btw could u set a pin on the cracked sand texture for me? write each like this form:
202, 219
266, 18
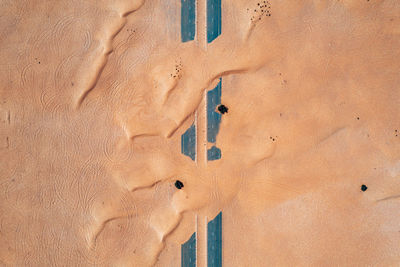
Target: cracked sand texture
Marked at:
95, 96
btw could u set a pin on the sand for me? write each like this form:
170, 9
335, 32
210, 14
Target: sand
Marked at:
95, 98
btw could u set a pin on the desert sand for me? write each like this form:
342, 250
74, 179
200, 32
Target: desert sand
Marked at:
96, 98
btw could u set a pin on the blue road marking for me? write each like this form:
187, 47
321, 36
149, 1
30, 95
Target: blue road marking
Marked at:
213, 19
188, 142
188, 252
213, 117
213, 153
214, 242
188, 20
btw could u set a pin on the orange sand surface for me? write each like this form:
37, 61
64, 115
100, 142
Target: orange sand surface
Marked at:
95, 96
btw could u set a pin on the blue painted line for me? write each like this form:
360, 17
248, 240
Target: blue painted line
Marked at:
213, 19
188, 252
214, 242
213, 118
213, 153
188, 20
188, 142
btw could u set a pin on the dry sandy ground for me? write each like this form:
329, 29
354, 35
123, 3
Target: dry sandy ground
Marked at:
91, 121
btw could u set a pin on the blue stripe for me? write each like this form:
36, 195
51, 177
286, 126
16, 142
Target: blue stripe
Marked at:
188, 252
213, 19
188, 20
213, 153
213, 118
188, 142
214, 242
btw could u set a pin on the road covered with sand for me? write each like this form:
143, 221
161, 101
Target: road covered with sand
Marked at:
123, 133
